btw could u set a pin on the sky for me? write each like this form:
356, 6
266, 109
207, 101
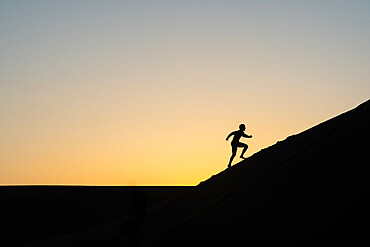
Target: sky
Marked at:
145, 92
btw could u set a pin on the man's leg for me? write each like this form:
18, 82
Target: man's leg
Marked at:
233, 149
245, 147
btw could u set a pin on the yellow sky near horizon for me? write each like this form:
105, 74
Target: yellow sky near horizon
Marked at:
145, 94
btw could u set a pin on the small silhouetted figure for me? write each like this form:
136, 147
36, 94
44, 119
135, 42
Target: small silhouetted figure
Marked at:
136, 217
235, 142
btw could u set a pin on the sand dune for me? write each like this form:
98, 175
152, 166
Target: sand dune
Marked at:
63, 215
307, 190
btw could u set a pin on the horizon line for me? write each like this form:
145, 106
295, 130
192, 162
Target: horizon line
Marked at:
100, 185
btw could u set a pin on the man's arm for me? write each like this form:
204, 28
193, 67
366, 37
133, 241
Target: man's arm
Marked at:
231, 134
247, 136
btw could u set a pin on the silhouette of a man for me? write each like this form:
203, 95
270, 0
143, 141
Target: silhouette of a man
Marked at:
235, 144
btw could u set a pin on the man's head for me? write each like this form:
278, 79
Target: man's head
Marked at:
242, 127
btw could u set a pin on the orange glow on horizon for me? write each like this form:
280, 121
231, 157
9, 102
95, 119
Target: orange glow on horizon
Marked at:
145, 94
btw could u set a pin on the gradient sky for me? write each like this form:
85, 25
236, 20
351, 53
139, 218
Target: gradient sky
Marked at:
145, 92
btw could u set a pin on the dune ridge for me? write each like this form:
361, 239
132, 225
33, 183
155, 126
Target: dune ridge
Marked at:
309, 188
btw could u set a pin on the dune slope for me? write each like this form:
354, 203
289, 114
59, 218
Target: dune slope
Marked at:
309, 189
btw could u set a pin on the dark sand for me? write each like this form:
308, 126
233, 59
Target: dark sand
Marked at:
32, 214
